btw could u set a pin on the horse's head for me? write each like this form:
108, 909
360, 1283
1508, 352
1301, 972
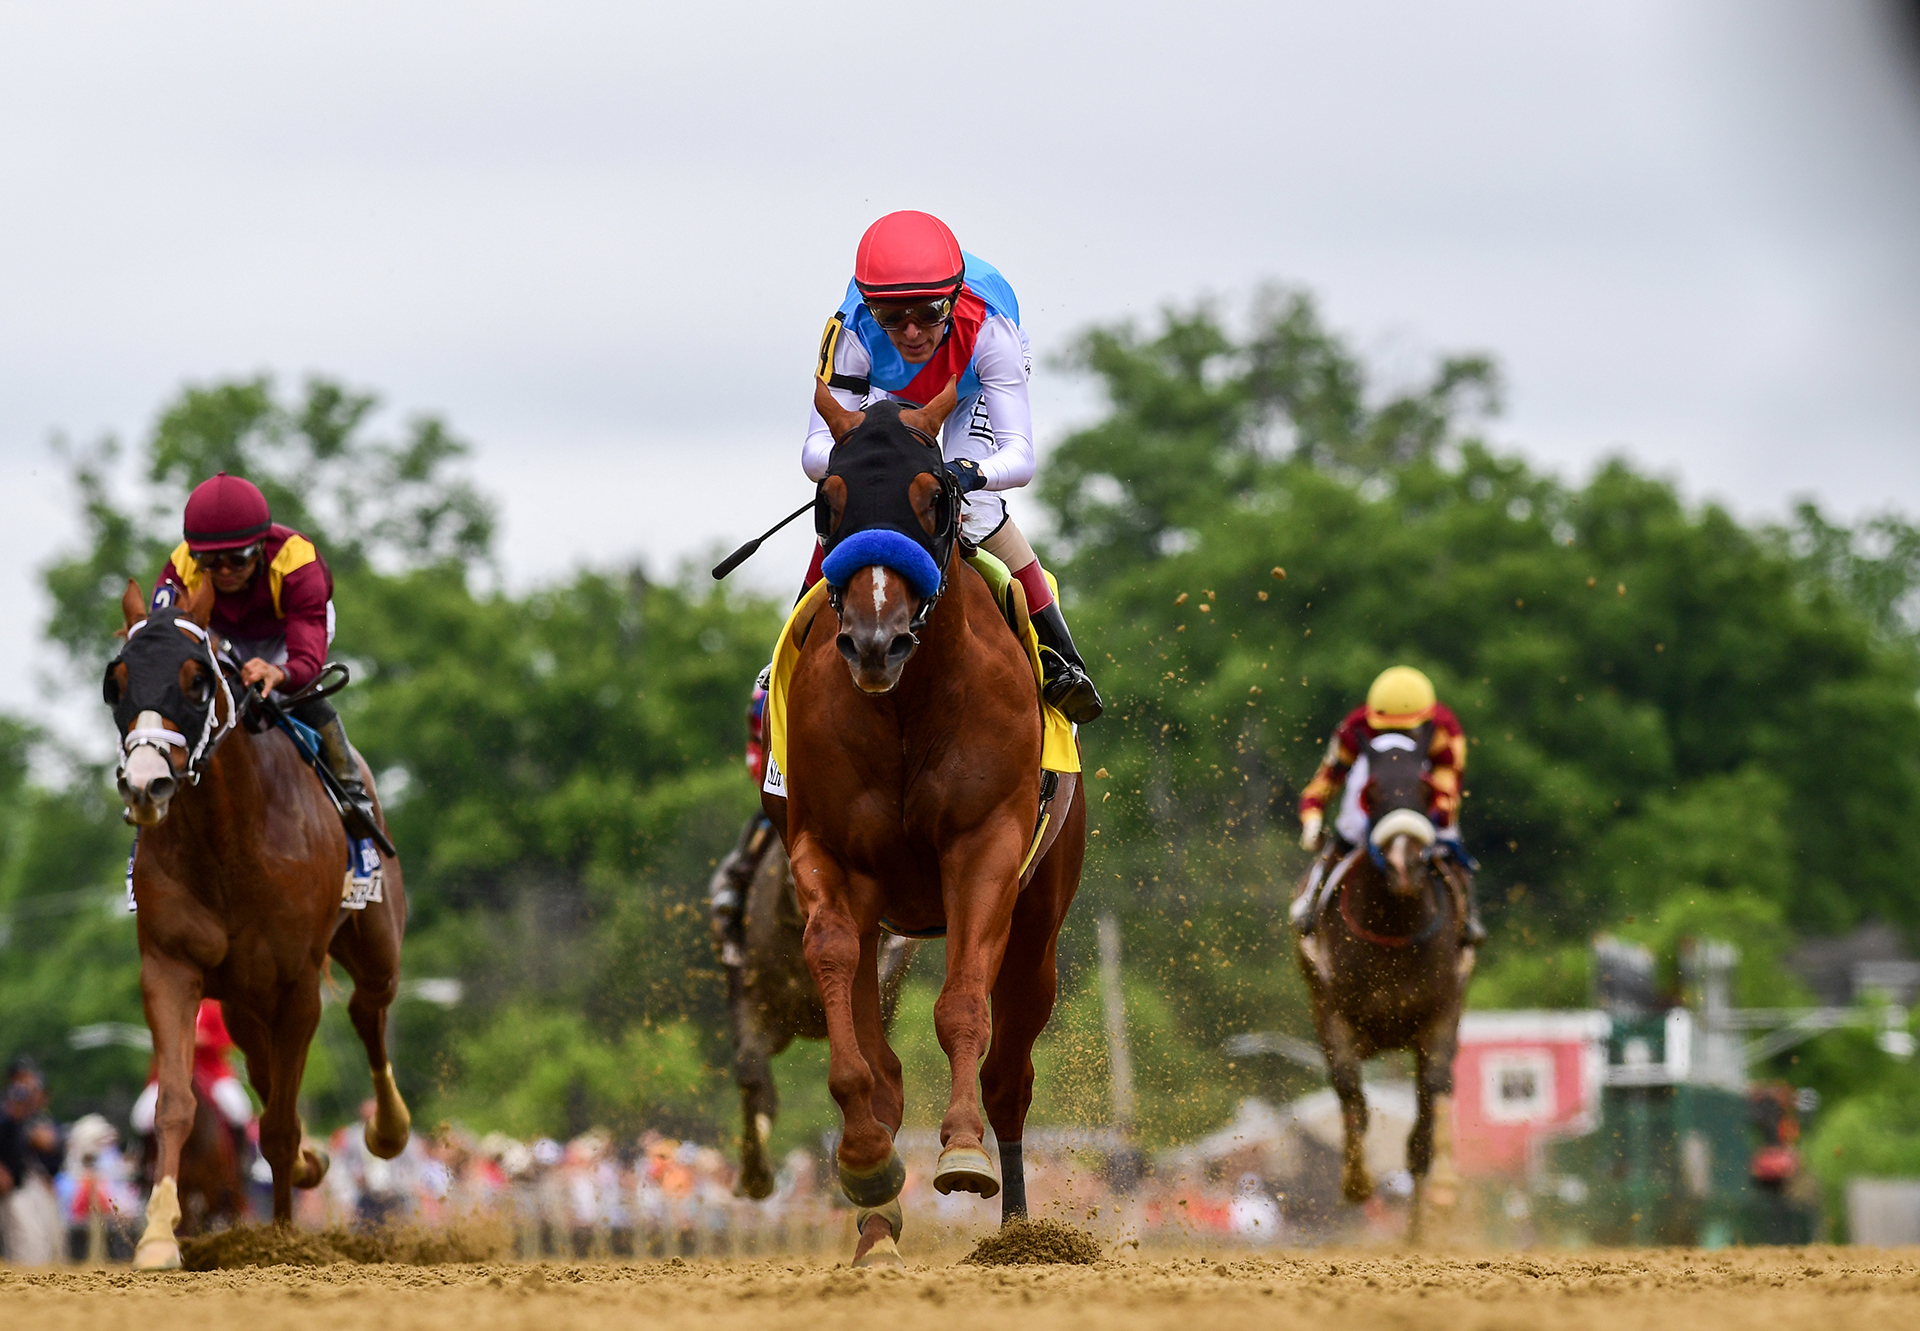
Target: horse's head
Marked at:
889, 514
1396, 802
167, 697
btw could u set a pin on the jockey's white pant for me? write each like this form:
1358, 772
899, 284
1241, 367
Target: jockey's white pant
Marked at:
1351, 821
229, 1096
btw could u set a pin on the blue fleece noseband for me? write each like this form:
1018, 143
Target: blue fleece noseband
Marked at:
887, 548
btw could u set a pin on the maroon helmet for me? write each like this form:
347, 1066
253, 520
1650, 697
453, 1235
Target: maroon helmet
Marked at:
226, 513
907, 257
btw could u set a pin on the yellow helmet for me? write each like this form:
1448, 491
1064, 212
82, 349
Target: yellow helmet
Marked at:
1400, 699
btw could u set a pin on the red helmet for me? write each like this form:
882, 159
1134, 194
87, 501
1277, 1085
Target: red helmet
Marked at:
907, 257
226, 512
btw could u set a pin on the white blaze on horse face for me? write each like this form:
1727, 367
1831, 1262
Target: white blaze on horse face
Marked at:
879, 589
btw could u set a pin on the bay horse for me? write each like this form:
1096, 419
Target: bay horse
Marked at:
772, 1000
237, 880
913, 790
210, 1182
1386, 969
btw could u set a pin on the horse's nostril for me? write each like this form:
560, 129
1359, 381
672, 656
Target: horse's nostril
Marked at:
901, 647
160, 789
845, 643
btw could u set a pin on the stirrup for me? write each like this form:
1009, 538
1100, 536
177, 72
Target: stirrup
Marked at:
357, 816
1068, 688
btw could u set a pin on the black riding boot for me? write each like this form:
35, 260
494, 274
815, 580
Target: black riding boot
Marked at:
1068, 686
337, 754
727, 891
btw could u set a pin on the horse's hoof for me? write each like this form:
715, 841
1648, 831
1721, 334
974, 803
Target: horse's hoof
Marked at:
387, 1135
891, 1213
966, 1169
755, 1183
311, 1167
156, 1255
386, 1145
876, 1186
1356, 1185
877, 1248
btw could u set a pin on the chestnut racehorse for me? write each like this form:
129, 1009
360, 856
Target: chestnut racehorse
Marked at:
238, 880
1386, 969
913, 749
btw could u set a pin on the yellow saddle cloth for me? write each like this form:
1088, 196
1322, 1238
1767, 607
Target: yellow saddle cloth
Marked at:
1059, 750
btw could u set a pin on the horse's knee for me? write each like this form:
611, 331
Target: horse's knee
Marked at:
961, 1018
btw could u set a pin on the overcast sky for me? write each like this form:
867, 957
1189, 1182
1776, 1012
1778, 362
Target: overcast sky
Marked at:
602, 239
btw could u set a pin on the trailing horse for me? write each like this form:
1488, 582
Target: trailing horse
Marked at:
771, 1000
239, 878
915, 802
1386, 969
210, 1182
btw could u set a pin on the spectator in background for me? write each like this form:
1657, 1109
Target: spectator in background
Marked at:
30, 1156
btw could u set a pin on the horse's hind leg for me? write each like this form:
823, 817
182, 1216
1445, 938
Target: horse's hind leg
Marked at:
368, 946
291, 1035
1023, 999
979, 877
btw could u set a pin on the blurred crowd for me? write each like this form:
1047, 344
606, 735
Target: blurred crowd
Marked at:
591, 1196
72, 1193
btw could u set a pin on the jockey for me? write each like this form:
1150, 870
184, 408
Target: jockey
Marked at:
727, 890
918, 313
212, 1072
1401, 699
273, 603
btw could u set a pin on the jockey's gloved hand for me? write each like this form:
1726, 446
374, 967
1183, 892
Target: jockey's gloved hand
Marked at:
1310, 830
968, 473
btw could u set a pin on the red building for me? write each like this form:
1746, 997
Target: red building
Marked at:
1522, 1079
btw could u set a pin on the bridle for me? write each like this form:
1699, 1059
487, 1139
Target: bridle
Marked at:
162, 740
944, 540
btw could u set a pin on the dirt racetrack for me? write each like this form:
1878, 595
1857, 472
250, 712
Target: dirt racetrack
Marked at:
1823, 1287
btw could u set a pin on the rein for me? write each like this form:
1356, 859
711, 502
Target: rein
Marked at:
1424, 935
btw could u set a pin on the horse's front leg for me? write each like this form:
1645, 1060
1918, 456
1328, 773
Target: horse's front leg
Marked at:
871, 1171
170, 992
753, 1074
1436, 1183
1338, 1039
979, 876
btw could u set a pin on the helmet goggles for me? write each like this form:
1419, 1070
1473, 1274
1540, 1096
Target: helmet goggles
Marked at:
927, 314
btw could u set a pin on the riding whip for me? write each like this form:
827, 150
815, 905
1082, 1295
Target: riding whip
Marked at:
745, 552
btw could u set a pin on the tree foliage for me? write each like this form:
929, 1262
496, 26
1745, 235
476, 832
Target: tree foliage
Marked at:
1679, 724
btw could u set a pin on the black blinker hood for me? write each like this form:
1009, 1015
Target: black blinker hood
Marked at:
153, 657
878, 460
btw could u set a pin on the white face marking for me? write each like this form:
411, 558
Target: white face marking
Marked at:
879, 589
